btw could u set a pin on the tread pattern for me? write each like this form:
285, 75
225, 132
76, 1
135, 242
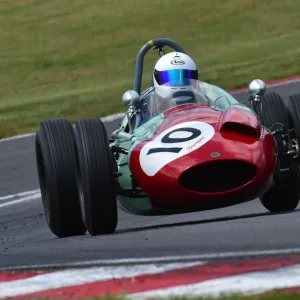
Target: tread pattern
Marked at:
294, 109
97, 177
56, 159
275, 111
284, 194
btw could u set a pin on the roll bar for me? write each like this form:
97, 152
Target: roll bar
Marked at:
157, 43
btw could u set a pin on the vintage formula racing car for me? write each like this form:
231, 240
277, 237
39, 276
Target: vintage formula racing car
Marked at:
179, 155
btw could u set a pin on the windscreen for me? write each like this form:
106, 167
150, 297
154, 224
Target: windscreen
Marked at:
169, 95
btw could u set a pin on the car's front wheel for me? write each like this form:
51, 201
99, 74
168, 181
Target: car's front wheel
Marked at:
95, 177
56, 163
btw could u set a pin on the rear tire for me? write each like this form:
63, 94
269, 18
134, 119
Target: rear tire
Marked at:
275, 111
56, 163
294, 110
285, 192
95, 177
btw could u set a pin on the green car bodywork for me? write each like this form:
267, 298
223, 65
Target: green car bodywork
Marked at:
136, 201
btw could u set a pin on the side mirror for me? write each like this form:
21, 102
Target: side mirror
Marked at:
257, 87
131, 98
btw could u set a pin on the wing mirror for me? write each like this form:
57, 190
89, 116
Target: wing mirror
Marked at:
131, 98
257, 87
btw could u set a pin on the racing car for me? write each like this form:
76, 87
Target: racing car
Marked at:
170, 157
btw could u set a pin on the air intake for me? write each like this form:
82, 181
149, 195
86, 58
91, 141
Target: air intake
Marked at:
239, 128
218, 176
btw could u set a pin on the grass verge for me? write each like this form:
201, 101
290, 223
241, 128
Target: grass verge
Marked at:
268, 296
75, 58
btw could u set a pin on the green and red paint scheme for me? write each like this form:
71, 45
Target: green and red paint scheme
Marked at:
195, 157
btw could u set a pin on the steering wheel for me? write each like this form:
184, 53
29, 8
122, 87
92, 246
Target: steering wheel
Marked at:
158, 43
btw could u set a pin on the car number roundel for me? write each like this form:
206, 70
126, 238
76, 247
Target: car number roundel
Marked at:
173, 143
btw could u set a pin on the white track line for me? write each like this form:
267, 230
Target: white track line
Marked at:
19, 195
76, 277
249, 283
17, 137
21, 200
110, 118
113, 117
162, 259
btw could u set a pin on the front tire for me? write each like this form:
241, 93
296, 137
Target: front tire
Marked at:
285, 192
283, 195
56, 163
95, 177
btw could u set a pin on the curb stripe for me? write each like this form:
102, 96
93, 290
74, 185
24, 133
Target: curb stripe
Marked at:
251, 283
7, 277
169, 279
65, 278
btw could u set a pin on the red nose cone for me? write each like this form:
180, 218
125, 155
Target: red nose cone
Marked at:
201, 156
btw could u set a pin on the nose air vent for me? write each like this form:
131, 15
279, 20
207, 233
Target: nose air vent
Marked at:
239, 128
217, 176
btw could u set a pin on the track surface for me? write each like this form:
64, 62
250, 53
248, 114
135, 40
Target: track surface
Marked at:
25, 239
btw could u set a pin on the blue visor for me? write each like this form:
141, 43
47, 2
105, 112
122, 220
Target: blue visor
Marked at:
175, 77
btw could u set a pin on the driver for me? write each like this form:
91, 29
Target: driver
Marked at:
175, 79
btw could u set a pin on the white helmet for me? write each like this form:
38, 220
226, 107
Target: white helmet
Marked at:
173, 71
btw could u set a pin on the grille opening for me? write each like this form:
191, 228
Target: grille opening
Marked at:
239, 128
218, 176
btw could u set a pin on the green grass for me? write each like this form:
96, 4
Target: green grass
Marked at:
268, 296
75, 58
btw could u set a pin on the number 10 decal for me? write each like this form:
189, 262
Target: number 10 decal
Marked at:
167, 139
173, 143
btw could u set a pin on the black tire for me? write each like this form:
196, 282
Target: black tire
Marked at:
56, 164
95, 177
275, 111
293, 105
284, 194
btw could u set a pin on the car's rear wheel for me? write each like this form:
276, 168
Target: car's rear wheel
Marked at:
285, 192
274, 111
56, 164
95, 177
293, 105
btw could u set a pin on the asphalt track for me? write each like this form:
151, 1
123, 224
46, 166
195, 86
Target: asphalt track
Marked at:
26, 240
